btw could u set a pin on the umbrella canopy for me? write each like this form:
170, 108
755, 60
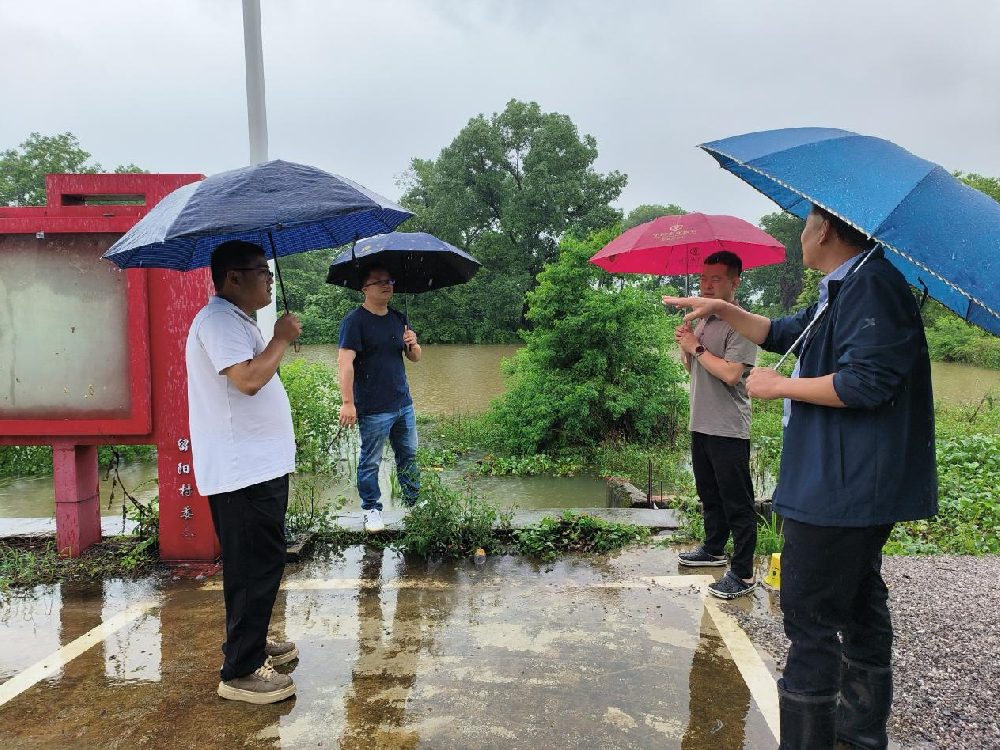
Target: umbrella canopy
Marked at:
672, 245
943, 235
419, 262
282, 206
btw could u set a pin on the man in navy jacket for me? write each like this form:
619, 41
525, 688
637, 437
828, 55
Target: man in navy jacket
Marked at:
858, 457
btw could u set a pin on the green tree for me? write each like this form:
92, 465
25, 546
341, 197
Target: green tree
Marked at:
775, 289
810, 288
506, 189
988, 185
23, 169
596, 365
648, 212
130, 169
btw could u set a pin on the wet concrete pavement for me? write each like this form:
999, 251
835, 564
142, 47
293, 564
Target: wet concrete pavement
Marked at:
611, 652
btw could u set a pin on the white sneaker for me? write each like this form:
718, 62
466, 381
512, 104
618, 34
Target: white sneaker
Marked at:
373, 522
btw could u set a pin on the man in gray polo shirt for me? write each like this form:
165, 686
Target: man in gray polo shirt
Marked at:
719, 360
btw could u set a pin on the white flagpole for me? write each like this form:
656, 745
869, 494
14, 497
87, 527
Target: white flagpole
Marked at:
257, 121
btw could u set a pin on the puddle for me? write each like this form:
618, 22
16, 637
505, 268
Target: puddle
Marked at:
398, 652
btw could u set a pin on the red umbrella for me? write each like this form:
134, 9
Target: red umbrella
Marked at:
672, 245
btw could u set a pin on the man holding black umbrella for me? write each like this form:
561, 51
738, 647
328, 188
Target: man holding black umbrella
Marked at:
376, 397
858, 457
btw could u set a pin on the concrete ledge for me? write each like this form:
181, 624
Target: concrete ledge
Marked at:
41, 527
655, 520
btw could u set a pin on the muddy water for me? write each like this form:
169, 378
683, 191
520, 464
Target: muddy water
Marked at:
463, 378
963, 384
448, 379
454, 379
32, 497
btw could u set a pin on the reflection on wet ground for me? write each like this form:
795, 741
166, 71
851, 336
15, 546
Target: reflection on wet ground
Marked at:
589, 652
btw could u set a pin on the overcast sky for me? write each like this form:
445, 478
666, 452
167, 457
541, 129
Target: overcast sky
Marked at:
360, 88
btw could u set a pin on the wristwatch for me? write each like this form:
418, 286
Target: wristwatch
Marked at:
699, 350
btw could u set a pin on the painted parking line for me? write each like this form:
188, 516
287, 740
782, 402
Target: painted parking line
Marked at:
40, 670
337, 584
755, 673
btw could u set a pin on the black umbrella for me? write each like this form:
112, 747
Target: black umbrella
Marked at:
418, 262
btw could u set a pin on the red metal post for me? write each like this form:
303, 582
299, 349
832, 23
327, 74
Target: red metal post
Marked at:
186, 530
78, 503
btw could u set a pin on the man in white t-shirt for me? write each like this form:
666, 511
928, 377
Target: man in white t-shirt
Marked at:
243, 448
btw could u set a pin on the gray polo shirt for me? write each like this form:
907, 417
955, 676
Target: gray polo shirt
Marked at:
717, 408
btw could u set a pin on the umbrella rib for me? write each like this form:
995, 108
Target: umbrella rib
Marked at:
942, 279
799, 193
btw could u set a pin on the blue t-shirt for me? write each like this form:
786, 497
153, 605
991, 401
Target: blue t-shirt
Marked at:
379, 376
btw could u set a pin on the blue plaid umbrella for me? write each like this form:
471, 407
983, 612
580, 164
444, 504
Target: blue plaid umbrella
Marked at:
943, 235
284, 207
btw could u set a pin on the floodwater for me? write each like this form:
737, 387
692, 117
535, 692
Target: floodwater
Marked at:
462, 378
449, 379
597, 651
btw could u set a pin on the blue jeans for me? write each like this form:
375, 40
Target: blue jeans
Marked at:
400, 428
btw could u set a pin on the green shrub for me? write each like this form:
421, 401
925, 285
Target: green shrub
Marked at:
595, 366
951, 339
25, 460
968, 521
631, 461
36, 460
452, 523
539, 463
577, 533
315, 401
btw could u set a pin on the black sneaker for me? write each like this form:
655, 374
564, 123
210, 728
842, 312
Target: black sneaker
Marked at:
700, 559
730, 586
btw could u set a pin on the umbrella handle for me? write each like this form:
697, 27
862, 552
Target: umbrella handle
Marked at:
406, 324
296, 346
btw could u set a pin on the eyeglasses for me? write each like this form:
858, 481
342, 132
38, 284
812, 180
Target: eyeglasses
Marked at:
262, 270
381, 282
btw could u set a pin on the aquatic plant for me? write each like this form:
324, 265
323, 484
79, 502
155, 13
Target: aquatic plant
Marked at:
577, 533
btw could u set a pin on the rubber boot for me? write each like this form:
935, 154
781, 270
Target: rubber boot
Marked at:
808, 722
865, 700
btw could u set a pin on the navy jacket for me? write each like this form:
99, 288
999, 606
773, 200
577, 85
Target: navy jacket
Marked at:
873, 462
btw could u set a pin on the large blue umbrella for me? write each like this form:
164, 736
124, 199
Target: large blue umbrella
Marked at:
284, 207
944, 236
417, 261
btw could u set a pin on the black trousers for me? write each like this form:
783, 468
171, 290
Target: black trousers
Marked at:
831, 582
250, 525
722, 477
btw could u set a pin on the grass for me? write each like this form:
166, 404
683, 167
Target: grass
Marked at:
29, 562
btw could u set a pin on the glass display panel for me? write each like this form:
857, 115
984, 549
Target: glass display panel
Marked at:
63, 329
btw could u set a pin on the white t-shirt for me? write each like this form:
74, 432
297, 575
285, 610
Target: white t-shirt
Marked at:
236, 440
